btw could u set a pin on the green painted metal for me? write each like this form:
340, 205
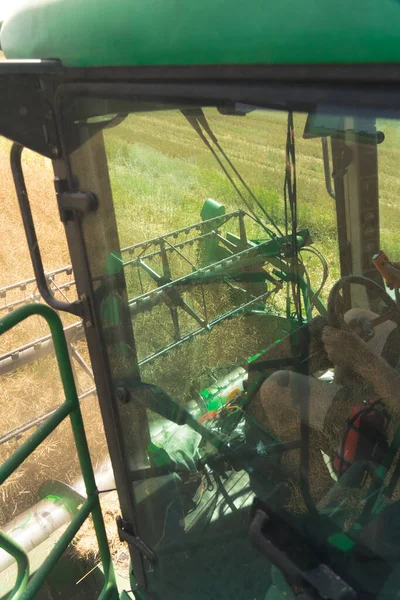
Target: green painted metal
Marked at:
168, 32
212, 209
211, 250
22, 589
294, 278
16, 459
58, 550
7, 544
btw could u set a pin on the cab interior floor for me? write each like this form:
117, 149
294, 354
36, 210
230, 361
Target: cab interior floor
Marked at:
218, 552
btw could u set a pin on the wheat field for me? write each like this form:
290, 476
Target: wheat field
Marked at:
34, 389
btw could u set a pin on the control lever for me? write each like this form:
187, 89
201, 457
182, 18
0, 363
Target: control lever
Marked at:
315, 580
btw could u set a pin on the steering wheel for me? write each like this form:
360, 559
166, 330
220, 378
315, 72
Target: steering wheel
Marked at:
335, 305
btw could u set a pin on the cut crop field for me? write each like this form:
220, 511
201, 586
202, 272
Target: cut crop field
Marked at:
158, 160
161, 174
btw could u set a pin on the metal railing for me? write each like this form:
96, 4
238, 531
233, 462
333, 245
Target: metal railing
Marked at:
26, 588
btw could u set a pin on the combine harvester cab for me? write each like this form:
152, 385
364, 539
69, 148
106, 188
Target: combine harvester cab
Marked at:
216, 174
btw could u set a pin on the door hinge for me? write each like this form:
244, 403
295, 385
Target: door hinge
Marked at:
72, 203
127, 534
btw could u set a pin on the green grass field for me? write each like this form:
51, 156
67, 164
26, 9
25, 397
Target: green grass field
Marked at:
158, 160
162, 172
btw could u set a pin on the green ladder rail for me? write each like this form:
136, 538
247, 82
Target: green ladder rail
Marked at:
27, 587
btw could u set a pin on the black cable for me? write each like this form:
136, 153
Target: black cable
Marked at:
203, 121
325, 274
250, 191
301, 392
194, 120
290, 194
231, 180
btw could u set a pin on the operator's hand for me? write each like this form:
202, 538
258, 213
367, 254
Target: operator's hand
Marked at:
344, 348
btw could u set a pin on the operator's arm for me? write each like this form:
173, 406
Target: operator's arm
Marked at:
384, 379
273, 406
346, 349
281, 401
309, 337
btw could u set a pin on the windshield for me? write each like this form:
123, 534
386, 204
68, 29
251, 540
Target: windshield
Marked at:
251, 342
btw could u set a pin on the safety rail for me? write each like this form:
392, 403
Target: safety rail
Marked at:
26, 588
20, 556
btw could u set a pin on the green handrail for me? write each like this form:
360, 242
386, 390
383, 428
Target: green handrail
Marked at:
8, 545
24, 590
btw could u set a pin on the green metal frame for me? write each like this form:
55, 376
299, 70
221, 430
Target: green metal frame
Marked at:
25, 587
131, 32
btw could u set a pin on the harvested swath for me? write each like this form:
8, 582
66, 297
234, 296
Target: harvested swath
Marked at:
39, 180
14, 255
54, 459
85, 543
36, 388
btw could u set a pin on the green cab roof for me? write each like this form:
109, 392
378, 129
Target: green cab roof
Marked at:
89, 33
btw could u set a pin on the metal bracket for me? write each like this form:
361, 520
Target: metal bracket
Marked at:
26, 114
127, 534
70, 203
